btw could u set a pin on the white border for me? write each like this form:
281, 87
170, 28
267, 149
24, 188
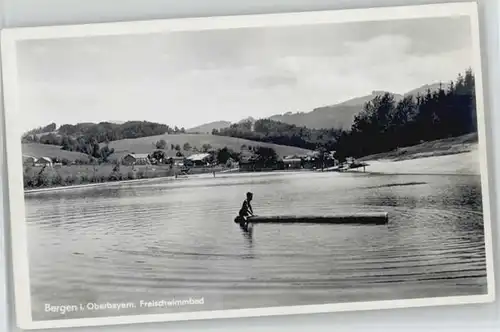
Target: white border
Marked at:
14, 154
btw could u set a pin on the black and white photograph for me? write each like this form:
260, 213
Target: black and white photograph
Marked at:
247, 165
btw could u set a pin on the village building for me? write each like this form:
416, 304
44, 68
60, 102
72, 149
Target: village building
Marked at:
136, 159
292, 162
44, 161
177, 161
199, 159
250, 163
29, 160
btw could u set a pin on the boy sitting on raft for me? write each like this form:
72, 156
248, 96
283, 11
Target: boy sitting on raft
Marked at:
246, 209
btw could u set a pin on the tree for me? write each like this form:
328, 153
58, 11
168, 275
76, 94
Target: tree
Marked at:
105, 152
266, 154
177, 147
158, 156
206, 147
186, 146
223, 155
161, 144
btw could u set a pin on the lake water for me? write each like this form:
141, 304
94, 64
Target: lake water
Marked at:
176, 239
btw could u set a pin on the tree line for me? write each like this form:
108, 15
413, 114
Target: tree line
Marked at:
83, 137
271, 131
93, 139
386, 124
383, 124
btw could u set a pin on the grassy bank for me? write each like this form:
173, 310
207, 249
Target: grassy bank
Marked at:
466, 163
39, 177
443, 147
458, 155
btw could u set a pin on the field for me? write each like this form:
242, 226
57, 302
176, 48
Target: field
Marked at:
457, 155
44, 150
443, 147
146, 144
466, 163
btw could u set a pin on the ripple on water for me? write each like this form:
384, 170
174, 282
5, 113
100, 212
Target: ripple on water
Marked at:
134, 242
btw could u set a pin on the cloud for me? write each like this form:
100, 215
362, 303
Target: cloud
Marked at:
193, 77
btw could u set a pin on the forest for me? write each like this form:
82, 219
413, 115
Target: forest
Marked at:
92, 138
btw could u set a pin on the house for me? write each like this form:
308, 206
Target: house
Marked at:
200, 159
136, 159
177, 161
44, 161
292, 162
254, 164
29, 160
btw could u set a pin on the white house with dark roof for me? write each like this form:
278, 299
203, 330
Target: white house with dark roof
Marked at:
44, 161
200, 159
136, 159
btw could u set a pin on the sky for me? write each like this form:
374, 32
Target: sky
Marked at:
189, 78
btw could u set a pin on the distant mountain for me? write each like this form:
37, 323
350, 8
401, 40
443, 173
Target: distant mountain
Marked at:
208, 127
423, 89
249, 119
360, 101
342, 115
333, 116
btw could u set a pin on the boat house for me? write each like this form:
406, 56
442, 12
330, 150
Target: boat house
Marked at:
136, 159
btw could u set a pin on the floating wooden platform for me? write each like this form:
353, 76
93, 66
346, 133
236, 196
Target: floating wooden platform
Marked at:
374, 218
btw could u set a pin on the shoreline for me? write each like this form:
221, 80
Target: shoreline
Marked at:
170, 178
89, 185
464, 163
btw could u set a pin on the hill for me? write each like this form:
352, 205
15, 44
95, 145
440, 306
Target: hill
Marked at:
360, 101
146, 144
441, 147
209, 127
322, 117
339, 116
68, 134
52, 151
423, 89
333, 116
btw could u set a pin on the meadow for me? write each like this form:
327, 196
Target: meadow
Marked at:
147, 144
